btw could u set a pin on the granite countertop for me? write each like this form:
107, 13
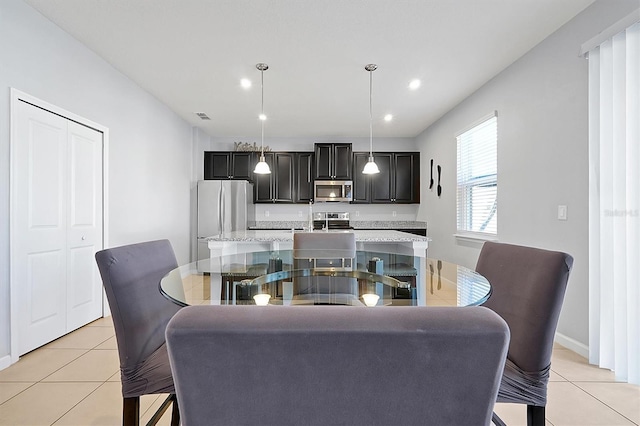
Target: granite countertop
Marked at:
356, 224
264, 235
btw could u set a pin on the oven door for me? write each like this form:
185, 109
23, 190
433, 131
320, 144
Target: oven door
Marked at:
332, 191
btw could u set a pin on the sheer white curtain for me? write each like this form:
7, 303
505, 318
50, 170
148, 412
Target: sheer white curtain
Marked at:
614, 204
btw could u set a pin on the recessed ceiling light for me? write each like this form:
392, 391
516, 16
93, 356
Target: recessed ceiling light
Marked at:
388, 117
414, 84
245, 83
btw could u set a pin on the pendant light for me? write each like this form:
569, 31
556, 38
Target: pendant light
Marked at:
262, 168
371, 167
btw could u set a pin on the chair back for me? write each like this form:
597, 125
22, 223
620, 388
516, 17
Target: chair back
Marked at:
131, 277
326, 251
528, 287
321, 365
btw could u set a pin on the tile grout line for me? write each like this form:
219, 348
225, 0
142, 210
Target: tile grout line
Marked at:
41, 381
602, 402
79, 402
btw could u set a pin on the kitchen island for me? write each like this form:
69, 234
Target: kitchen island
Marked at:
263, 239
243, 243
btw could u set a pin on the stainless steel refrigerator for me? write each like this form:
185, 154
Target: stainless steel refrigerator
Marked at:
223, 206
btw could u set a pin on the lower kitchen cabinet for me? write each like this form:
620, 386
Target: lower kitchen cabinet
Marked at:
397, 182
278, 186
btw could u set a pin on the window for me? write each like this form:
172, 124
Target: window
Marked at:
477, 188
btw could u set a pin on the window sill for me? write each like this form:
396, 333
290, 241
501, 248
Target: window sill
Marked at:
476, 238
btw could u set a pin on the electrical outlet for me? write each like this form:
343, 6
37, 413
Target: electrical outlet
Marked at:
266, 213
357, 213
562, 212
299, 213
393, 213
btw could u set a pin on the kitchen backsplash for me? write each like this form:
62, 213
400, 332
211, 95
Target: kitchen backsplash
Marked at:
357, 212
356, 224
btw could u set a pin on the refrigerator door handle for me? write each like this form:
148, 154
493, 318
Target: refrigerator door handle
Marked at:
221, 208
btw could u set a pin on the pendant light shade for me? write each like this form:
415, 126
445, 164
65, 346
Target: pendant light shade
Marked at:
371, 167
262, 168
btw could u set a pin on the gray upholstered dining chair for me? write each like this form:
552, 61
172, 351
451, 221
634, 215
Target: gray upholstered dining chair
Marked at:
131, 276
325, 250
528, 286
332, 365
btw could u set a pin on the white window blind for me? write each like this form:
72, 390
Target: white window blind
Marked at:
477, 188
614, 204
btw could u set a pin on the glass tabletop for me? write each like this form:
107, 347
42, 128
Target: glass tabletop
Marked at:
371, 278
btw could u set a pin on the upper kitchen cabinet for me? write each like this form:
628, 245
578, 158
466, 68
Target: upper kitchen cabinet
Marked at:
333, 161
406, 177
361, 182
229, 165
278, 186
304, 172
397, 182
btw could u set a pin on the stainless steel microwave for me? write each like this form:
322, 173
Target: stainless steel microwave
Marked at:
333, 191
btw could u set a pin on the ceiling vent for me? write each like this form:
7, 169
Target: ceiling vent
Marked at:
203, 116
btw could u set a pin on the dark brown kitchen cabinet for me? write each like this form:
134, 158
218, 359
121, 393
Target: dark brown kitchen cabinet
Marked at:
333, 161
279, 185
406, 175
304, 172
382, 183
361, 182
229, 165
397, 182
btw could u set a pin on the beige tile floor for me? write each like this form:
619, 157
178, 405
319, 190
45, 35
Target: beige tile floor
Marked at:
75, 381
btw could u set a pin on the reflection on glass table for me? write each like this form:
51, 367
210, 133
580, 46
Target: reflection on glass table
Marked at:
284, 278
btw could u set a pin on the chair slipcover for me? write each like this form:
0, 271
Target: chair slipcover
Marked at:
528, 287
131, 276
332, 365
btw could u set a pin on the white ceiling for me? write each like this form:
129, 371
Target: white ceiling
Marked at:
191, 54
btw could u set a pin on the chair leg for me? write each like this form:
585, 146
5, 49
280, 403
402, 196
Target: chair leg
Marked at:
497, 421
175, 414
131, 411
535, 415
171, 399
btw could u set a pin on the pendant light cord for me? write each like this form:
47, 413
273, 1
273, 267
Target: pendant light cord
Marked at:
370, 114
262, 111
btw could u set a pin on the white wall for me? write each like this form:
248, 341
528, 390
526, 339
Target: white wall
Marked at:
149, 148
542, 157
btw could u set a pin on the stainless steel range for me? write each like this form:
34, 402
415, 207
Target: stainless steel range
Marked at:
331, 220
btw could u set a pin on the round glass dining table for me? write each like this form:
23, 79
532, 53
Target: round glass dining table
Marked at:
287, 277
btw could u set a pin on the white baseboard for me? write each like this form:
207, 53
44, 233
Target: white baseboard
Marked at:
5, 361
572, 344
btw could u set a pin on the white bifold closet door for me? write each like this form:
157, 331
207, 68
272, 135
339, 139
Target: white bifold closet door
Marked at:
58, 225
